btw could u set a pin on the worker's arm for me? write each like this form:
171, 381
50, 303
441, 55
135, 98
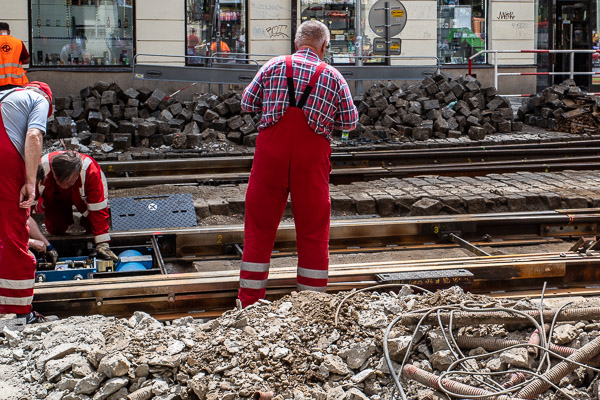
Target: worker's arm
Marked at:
36, 233
33, 152
24, 57
346, 117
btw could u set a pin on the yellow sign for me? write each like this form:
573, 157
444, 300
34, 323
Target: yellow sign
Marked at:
395, 46
397, 13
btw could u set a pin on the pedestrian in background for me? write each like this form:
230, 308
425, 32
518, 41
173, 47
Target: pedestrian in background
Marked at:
292, 156
23, 116
13, 54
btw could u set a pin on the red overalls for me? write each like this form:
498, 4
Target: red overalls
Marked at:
89, 194
17, 264
290, 158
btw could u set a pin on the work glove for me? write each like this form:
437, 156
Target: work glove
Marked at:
104, 252
51, 255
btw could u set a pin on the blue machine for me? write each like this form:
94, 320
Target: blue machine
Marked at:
133, 260
77, 268
67, 268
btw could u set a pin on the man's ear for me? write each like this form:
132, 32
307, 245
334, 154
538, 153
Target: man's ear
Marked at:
295, 45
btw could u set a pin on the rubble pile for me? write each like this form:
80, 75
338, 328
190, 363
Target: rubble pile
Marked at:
105, 113
438, 107
562, 108
291, 347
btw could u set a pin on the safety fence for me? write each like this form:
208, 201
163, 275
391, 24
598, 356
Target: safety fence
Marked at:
240, 68
571, 73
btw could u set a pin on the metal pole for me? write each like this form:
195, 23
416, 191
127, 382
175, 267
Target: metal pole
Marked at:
387, 31
496, 69
571, 65
358, 47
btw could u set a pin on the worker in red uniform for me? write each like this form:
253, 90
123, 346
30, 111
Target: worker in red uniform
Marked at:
23, 118
302, 100
68, 178
13, 54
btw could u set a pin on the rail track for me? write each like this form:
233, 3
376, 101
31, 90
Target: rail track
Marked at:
209, 293
351, 166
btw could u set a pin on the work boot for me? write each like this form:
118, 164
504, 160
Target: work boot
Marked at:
35, 317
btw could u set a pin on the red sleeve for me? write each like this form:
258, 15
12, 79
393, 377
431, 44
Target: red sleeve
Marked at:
24, 53
95, 195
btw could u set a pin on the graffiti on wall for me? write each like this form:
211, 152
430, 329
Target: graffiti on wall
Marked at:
506, 15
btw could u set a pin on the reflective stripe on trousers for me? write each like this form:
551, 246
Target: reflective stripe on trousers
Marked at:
290, 158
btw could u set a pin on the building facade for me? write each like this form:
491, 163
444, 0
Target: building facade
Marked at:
75, 42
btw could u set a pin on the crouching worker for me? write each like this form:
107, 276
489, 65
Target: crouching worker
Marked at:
67, 178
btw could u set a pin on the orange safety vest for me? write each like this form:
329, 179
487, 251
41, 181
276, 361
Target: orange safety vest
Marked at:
11, 69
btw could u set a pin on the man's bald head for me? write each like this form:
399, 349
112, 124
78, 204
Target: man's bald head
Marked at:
313, 34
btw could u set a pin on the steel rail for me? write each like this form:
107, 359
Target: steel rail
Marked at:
343, 175
352, 234
216, 290
353, 159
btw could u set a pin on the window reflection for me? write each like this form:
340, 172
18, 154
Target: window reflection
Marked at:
216, 30
81, 32
461, 30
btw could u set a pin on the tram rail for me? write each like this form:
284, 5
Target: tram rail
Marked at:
210, 292
366, 165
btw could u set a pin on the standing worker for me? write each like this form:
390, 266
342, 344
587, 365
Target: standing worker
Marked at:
69, 178
23, 116
13, 54
292, 156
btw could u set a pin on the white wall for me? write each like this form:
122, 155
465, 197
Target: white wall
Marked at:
160, 29
511, 25
15, 13
269, 27
419, 36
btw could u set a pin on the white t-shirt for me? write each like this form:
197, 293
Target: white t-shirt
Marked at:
23, 110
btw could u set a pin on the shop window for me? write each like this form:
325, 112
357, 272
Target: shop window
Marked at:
461, 30
206, 18
82, 32
340, 18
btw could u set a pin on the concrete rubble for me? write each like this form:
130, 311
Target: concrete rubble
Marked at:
562, 108
438, 107
291, 347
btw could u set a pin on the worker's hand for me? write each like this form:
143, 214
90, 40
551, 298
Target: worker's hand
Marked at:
27, 195
51, 255
37, 245
105, 252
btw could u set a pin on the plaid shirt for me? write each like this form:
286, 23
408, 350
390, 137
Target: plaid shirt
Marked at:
328, 107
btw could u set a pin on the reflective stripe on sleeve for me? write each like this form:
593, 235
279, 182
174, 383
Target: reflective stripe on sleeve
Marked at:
98, 206
312, 288
252, 284
255, 267
313, 273
86, 163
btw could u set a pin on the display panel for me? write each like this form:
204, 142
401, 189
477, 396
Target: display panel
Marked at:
82, 32
209, 23
461, 30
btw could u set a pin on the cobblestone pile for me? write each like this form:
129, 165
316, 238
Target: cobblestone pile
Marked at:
562, 108
291, 347
107, 117
439, 106
105, 113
